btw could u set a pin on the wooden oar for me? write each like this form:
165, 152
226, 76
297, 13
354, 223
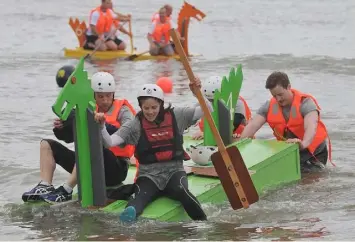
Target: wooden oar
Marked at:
131, 37
134, 56
229, 163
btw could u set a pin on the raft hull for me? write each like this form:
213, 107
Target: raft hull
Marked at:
272, 164
108, 55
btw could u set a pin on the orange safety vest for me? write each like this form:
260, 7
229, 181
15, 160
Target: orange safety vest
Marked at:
161, 29
105, 21
156, 17
241, 127
128, 150
295, 124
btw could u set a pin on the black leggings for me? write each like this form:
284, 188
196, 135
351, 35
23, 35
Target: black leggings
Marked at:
177, 188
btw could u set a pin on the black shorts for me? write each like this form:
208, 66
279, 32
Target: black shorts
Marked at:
116, 168
92, 39
117, 41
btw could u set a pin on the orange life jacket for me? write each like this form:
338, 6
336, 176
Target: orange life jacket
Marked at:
111, 119
295, 124
105, 21
241, 127
161, 29
156, 17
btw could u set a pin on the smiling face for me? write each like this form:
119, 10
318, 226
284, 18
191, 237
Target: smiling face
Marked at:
150, 108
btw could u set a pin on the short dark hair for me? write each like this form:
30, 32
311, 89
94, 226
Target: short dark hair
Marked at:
277, 78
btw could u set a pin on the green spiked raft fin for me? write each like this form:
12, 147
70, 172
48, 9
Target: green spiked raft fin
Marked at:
229, 93
77, 94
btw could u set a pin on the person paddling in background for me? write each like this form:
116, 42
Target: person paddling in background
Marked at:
117, 113
157, 134
101, 23
117, 28
159, 35
169, 11
242, 113
294, 117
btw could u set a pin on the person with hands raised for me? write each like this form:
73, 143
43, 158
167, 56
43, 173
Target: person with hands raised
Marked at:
157, 134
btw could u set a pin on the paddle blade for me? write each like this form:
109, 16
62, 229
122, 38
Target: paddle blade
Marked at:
134, 56
242, 173
131, 57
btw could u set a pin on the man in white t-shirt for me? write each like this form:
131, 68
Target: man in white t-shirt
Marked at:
99, 28
157, 34
117, 28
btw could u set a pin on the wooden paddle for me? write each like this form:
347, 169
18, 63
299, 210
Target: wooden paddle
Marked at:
229, 163
134, 56
131, 37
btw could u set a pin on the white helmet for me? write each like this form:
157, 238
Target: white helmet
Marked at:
103, 82
209, 88
151, 90
201, 155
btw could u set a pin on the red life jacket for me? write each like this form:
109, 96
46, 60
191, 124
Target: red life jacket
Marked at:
159, 143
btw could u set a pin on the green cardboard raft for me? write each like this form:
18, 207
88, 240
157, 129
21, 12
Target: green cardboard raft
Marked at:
273, 163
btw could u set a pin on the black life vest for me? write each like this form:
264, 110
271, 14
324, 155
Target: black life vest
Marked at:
160, 142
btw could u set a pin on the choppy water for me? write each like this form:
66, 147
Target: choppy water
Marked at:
313, 41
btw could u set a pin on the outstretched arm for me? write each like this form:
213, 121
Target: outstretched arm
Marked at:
198, 113
256, 122
128, 133
123, 30
253, 126
310, 128
110, 140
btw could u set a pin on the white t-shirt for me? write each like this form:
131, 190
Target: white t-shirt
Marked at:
95, 17
152, 28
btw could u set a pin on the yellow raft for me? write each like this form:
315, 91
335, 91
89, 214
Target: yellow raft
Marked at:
187, 11
107, 55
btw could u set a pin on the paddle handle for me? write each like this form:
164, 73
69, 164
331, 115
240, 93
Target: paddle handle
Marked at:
207, 115
131, 37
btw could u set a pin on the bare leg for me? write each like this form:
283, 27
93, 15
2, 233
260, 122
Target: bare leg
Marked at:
47, 162
102, 45
72, 181
154, 51
111, 45
121, 46
168, 50
48, 165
